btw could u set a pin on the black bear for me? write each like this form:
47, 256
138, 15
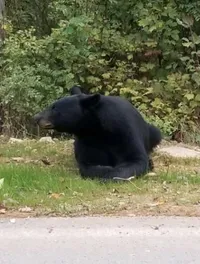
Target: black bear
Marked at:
112, 140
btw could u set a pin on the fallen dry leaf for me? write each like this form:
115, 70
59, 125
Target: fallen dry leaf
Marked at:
1, 182
56, 195
151, 174
25, 209
2, 209
2, 206
46, 161
155, 204
17, 159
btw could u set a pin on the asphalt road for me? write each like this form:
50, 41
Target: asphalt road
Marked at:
100, 240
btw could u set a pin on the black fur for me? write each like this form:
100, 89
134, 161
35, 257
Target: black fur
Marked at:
75, 90
112, 140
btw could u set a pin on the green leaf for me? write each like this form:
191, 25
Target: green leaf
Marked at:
188, 20
185, 58
193, 104
195, 38
196, 77
188, 44
189, 96
101, 61
185, 39
143, 69
150, 66
152, 28
149, 91
130, 57
182, 23
197, 97
103, 54
106, 75
69, 30
157, 103
175, 35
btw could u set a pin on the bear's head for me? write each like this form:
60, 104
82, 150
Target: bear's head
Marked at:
71, 114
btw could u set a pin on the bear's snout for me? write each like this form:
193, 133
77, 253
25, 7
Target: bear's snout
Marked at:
36, 118
42, 122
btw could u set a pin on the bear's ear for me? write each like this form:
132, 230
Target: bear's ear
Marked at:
90, 101
75, 90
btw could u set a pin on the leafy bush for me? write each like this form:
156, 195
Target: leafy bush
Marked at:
147, 52
37, 71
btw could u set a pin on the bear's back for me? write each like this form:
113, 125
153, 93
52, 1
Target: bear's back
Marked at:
120, 107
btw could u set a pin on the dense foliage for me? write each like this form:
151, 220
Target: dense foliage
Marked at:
146, 51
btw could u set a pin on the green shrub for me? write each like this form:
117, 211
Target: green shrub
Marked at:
147, 52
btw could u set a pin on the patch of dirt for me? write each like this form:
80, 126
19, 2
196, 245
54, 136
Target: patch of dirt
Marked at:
154, 210
165, 210
17, 214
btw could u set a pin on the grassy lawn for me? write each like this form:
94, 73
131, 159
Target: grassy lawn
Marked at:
44, 177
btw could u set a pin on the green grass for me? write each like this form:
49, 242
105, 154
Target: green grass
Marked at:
57, 188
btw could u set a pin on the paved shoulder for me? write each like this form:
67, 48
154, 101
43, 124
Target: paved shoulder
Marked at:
180, 152
101, 240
